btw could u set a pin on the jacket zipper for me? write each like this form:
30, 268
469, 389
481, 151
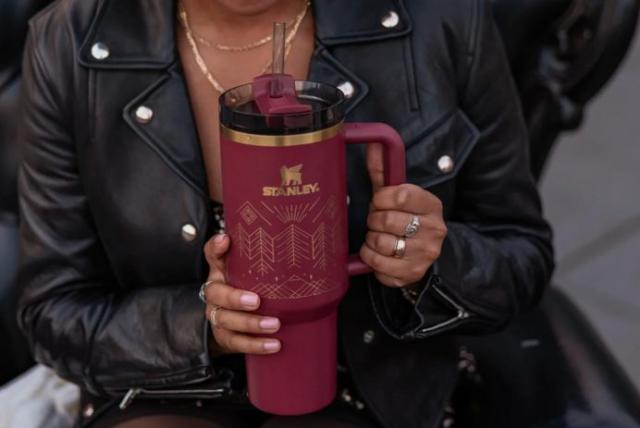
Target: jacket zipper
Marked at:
135, 392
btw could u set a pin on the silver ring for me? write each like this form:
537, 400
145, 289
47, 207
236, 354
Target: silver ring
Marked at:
203, 290
413, 227
212, 315
401, 247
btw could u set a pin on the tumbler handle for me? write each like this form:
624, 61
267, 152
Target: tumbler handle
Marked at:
394, 166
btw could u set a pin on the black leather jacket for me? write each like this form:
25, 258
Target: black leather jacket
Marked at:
109, 279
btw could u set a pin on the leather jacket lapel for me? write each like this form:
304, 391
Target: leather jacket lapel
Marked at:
125, 33
355, 21
342, 23
177, 145
128, 31
326, 68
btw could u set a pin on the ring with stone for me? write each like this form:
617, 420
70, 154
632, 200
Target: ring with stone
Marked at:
213, 313
203, 290
400, 248
413, 227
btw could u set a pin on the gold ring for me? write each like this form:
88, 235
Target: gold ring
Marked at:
400, 248
203, 290
212, 315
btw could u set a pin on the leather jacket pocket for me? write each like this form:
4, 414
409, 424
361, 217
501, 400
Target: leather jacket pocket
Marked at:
436, 155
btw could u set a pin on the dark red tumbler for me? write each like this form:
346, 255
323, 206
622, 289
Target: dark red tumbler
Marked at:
285, 198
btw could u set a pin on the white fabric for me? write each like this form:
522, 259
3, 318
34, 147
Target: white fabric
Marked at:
38, 399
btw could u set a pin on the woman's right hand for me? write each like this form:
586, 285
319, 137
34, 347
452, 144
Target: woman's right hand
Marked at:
234, 326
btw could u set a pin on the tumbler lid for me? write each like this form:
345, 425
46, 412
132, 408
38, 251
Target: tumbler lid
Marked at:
317, 106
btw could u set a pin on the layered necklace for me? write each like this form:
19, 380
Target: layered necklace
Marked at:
193, 39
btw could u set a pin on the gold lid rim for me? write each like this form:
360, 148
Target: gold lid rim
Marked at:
280, 140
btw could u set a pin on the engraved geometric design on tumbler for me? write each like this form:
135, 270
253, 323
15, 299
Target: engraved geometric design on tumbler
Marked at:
257, 247
293, 288
329, 207
250, 214
291, 212
319, 247
292, 247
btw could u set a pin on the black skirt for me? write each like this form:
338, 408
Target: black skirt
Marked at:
101, 413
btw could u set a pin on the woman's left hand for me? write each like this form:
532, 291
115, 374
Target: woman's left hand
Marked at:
391, 210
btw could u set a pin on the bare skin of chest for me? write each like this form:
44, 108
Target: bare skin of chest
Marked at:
231, 69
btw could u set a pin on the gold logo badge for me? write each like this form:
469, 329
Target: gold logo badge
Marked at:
291, 183
291, 175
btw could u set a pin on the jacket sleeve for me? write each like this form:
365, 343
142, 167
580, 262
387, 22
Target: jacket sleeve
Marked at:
497, 257
77, 318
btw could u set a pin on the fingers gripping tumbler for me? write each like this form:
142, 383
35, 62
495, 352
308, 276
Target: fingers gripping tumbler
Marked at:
284, 188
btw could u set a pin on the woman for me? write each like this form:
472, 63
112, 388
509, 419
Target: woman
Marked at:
120, 190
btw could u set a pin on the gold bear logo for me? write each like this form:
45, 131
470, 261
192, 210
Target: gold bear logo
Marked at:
291, 176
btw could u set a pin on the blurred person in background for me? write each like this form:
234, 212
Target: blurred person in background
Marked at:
121, 205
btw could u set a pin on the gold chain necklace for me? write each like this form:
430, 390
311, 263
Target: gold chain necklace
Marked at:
294, 23
184, 19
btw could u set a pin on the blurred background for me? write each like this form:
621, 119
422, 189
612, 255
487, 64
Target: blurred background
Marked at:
591, 194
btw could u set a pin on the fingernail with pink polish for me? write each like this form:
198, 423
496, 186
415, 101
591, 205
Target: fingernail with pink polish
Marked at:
249, 299
269, 323
219, 237
271, 345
